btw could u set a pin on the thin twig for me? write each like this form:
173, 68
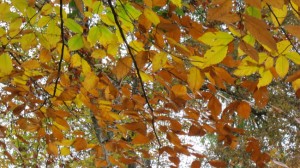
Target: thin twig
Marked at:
282, 29
136, 67
63, 45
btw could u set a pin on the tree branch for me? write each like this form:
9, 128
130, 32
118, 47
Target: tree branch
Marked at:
136, 67
63, 45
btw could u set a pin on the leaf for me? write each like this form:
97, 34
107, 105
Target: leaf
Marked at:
80, 144
64, 151
75, 42
5, 65
266, 78
215, 106
73, 26
151, 16
140, 139
173, 138
282, 66
196, 164
294, 30
216, 38
158, 61
218, 163
76, 60
215, 55
31, 64
178, 3
52, 149
179, 90
123, 67
94, 35
195, 79
243, 110
90, 81
280, 14
259, 30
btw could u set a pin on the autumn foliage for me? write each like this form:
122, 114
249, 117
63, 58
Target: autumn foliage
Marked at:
117, 82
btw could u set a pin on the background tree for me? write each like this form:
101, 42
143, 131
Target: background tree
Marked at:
142, 83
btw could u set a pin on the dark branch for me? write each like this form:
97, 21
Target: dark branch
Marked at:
136, 67
62, 48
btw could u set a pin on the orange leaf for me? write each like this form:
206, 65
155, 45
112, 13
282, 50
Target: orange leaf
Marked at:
31, 64
123, 67
140, 139
80, 144
215, 106
52, 149
294, 30
179, 90
244, 110
259, 30
173, 138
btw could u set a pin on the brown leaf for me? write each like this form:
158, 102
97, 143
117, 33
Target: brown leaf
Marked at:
259, 30
215, 106
244, 110
18, 109
261, 97
196, 131
294, 30
123, 67
80, 144
196, 164
218, 163
255, 3
174, 139
140, 139
249, 50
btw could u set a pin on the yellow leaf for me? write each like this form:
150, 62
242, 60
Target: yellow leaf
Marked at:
280, 15
137, 45
215, 55
269, 63
5, 65
216, 38
151, 16
145, 77
293, 56
282, 66
75, 60
245, 70
195, 79
64, 151
90, 81
296, 84
197, 61
86, 68
266, 78
66, 142
284, 47
31, 64
159, 60
45, 55
177, 3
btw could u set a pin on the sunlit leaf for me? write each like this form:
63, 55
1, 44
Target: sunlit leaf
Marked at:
282, 66
75, 42
5, 65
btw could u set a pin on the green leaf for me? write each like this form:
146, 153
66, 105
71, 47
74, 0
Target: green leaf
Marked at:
216, 38
94, 35
282, 66
73, 26
215, 55
5, 65
134, 13
76, 42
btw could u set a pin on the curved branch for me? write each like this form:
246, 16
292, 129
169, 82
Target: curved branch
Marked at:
136, 67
